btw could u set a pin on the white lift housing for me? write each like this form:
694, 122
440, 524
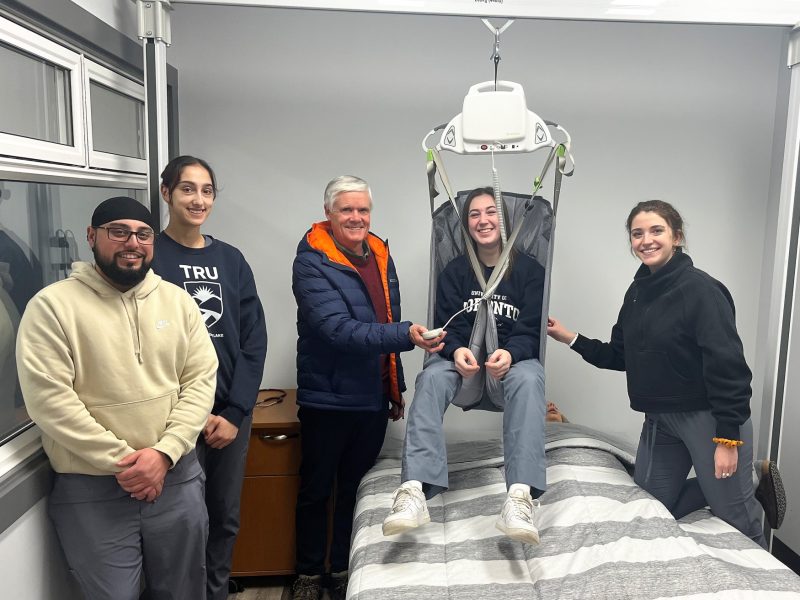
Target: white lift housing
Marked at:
495, 119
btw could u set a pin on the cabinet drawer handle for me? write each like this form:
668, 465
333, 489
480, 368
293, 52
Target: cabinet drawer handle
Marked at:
277, 438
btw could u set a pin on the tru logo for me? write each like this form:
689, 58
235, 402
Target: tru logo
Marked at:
192, 272
207, 294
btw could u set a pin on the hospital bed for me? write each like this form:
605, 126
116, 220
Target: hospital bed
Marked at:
602, 536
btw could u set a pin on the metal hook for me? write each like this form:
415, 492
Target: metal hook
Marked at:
496, 54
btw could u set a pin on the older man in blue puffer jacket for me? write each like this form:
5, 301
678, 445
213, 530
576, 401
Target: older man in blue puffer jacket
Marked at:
349, 375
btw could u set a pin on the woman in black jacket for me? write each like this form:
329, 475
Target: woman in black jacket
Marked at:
676, 339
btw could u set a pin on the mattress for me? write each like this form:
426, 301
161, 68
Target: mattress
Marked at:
602, 536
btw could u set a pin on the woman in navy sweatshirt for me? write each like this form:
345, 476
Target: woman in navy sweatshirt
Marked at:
676, 340
218, 277
517, 308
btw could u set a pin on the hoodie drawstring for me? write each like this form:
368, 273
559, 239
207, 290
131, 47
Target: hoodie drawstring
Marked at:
134, 324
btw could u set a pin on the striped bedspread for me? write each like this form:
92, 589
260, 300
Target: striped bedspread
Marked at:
602, 536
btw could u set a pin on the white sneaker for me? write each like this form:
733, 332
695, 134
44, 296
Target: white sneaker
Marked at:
516, 518
409, 510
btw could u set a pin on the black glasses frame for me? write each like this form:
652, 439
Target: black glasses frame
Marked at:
149, 233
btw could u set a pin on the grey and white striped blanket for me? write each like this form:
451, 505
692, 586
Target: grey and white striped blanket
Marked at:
602, 536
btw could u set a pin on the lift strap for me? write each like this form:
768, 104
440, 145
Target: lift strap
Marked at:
433, 156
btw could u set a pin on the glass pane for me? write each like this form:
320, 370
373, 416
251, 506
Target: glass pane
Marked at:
42, 231
37, 105
117, 122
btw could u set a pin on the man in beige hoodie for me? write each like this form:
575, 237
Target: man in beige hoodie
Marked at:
119, 373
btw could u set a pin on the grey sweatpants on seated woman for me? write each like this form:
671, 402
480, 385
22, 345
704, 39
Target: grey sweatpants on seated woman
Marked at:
671, 444
110, 539
424, 453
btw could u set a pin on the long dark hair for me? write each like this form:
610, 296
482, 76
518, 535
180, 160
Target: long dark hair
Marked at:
486, 191
171, 175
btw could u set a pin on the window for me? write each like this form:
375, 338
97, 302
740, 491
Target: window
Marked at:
109, 108
63, 108
116, 120
41, 111
48, 114
72, 133
42, 232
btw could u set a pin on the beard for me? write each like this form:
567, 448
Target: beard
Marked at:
120, 276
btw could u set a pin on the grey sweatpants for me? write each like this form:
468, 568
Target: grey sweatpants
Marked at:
424, 453
671, 444
110, 539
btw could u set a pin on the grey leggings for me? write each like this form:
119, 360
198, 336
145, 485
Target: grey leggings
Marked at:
671, 444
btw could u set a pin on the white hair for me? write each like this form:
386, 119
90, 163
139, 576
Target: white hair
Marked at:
342, 184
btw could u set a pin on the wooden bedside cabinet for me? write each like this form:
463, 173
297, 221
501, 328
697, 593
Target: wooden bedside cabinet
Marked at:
266, 542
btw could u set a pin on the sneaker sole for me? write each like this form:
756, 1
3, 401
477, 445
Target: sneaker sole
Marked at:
779, 493
518, 535
401, 525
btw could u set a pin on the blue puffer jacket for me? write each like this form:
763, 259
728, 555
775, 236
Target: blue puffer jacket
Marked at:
340, 342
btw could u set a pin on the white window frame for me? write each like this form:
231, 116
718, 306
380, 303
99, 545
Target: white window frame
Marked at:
122, 85
23, 147
42, 172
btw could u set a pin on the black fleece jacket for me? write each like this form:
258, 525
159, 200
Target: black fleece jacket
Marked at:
676, 339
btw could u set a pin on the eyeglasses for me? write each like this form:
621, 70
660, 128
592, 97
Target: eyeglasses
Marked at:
120, 234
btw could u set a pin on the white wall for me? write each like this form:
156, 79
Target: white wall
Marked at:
33, 566
120, 14
773, 266
790, 444
282, 100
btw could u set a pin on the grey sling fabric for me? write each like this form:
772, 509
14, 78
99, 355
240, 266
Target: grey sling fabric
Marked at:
448, 242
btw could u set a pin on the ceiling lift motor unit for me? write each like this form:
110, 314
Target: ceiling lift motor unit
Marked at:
495, 118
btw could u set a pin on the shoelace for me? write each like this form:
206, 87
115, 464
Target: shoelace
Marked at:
403, 499
522, 508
